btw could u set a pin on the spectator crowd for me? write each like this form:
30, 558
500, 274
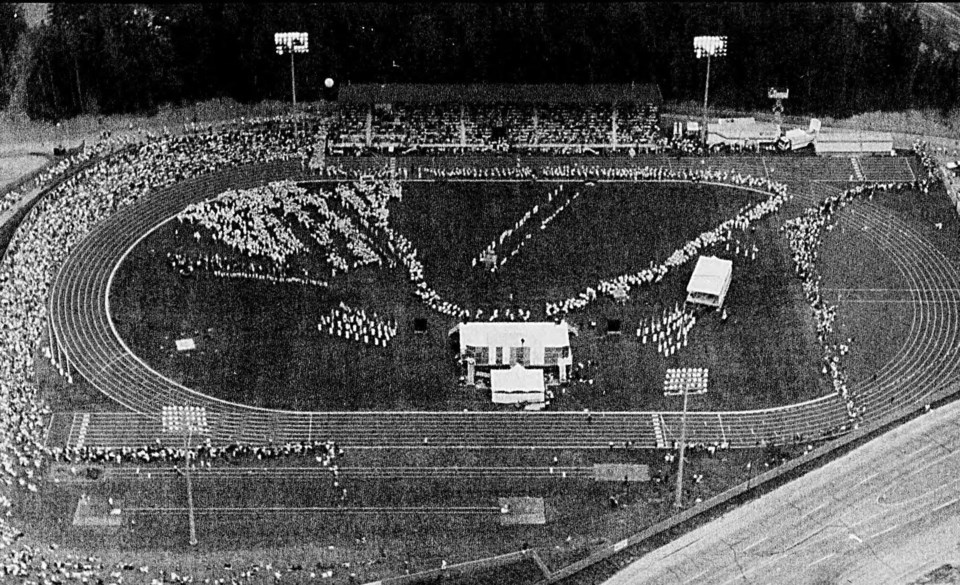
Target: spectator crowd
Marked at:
455, 129
51, 174
325, 452
44, 239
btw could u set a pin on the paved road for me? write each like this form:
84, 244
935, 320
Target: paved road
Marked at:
886, 513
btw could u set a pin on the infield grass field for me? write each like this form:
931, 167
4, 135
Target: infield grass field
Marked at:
258, 344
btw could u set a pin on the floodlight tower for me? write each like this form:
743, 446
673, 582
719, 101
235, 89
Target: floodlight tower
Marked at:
190, 509
292, 43
709, 47
685, 390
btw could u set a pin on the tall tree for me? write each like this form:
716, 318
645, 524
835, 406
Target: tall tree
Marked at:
12, 26
837, 58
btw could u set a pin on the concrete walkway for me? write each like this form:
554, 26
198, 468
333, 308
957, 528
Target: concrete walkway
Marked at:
885, 513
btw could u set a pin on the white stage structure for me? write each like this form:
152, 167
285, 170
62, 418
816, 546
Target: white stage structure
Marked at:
532, 345
710, 281
517, 385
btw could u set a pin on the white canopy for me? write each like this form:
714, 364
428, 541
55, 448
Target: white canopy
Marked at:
532, 337
710, 281
517, 384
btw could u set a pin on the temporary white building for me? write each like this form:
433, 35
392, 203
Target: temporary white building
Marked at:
517, 385
853, 142
543, 345
710, 281
745, 132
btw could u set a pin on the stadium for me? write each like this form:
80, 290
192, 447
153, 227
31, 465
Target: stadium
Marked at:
459, 333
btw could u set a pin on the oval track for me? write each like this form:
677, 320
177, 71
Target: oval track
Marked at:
82, 331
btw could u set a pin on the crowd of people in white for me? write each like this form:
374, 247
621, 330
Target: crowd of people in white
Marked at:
323, 451
722, 233
805, 236
60, 168
224, 267
46, 236
355, 324
669, 331
494, 259
256, 223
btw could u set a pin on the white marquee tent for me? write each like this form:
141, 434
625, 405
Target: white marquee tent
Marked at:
710, 281
529, 344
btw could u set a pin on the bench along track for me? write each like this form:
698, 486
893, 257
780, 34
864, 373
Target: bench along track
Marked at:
81, 330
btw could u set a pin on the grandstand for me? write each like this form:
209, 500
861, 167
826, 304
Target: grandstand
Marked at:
448, 118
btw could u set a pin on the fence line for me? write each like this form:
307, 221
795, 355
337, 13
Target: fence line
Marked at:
466, 568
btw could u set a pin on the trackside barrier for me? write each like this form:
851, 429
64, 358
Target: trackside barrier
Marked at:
769, 479
464, 569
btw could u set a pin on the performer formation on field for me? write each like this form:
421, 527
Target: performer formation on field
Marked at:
355, 324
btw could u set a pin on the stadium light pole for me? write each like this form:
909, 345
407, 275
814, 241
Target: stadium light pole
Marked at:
191, 516
685, 391
709, 47
292, 43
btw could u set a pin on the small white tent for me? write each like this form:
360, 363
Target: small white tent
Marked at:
517, 385
710, 281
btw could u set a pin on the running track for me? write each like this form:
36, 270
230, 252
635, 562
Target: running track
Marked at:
84, 339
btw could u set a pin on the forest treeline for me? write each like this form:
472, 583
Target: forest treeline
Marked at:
837, 59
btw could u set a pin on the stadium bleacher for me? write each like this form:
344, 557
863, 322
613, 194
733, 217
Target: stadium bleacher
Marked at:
522, 117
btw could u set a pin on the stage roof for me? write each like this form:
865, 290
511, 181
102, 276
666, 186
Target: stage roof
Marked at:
498, 93
510, 334
710, 275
